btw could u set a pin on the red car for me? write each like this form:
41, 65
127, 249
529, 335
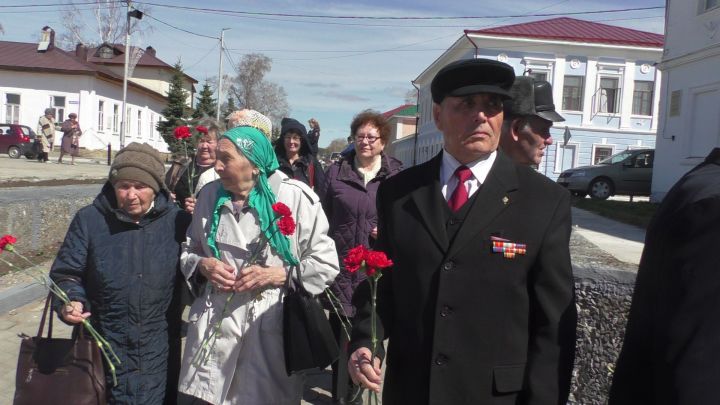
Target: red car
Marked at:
17, 140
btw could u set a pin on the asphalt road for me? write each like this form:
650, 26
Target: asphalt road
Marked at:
19, 194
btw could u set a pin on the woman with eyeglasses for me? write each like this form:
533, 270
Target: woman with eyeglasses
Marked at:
348, 198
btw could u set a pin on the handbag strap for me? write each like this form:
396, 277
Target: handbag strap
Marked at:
44, 315
295, 285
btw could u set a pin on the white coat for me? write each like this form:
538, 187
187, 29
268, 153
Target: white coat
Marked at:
247, 363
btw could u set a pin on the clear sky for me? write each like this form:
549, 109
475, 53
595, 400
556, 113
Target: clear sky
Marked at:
330, 68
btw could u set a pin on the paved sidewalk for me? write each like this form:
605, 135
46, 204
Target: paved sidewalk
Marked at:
624, 242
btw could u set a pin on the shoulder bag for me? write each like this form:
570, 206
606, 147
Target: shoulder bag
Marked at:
308, 340
59, 371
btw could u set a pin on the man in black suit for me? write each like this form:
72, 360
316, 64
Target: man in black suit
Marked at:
527, 122
671, 353
479, 305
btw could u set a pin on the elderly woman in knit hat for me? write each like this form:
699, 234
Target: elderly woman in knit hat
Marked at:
119, 265
246, 363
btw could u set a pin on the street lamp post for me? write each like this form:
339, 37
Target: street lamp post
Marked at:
123, 125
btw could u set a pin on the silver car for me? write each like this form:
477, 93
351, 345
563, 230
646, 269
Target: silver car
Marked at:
626, 173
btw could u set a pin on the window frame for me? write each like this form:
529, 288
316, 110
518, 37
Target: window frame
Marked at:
101, 116
116, 119
560, 156
12, 110
594, 158
59, 109
649, 101
581, 96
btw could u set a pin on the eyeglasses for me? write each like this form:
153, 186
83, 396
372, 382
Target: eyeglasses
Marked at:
369, 139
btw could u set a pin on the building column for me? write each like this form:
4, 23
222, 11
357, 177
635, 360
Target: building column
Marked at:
628, 88
589, 91
558, 80
657, 89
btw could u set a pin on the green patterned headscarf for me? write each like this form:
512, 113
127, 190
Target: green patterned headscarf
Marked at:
257, 149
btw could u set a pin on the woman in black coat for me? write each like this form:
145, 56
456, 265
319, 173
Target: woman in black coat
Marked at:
119, 265
348, 198
294, 154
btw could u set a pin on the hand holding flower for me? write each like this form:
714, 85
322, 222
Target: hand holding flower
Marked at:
362, 373
217, 273
73, 312
256, 277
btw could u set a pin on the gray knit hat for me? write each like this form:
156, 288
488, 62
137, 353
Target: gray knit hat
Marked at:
139, 162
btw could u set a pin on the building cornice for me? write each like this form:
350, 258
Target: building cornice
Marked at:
566, 43
707, 52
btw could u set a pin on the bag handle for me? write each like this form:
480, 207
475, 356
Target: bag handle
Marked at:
44, 315
295, 285
77, 329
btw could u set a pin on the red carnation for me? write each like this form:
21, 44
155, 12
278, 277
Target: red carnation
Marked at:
281, 209
202, 129
7, 240
377, 260
286, 225
354, 258
182, 132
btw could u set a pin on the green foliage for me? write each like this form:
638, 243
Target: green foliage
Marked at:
229, 108
206, 106
632, 213
177, 111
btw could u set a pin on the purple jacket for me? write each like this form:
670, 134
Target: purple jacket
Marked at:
350, 209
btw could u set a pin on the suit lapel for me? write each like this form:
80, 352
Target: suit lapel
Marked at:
429, 201
493, 197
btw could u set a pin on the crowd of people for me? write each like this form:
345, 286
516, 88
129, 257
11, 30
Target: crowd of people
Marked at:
477, 308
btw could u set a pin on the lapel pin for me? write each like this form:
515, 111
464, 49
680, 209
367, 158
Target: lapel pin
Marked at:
505, 200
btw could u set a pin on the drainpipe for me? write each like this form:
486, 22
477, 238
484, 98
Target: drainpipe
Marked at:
417, 118
472, 42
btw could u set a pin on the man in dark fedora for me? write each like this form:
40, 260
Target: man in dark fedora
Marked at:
478, 307
528, 118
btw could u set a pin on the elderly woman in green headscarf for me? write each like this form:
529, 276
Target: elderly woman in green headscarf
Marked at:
246, 364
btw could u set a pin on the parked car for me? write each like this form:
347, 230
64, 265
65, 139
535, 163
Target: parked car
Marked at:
17, 140
626, 173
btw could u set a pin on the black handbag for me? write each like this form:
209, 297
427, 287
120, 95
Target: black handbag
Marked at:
308, 340
59, 371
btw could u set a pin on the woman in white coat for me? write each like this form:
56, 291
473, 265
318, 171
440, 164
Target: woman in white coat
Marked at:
246, 364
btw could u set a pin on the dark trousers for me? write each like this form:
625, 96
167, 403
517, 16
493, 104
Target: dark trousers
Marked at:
42, 157
341, 383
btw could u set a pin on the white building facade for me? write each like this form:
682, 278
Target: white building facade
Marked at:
606, 90
33, 80
690, 111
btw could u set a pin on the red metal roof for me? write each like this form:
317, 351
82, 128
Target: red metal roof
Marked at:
22, 55
571, 29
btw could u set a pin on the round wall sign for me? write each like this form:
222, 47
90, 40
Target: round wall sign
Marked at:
644, 68
502, 57
574, 63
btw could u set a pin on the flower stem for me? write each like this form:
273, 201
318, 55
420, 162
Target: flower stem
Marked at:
335, 302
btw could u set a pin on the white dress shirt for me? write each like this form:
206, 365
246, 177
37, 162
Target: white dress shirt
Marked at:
479, 168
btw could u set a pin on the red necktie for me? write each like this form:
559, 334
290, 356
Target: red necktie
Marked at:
460, 195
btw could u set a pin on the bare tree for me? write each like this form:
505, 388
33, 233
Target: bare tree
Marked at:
252, 91
107, 24
411, 96
337, 145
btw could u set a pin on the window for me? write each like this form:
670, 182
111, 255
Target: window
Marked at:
116, 118
642, 98
12, 113
126, 123
609, 95
601, 153
711, 4
139, 123
539, 75
101, 115
643, 160
573, 93
565, 157
58, 104
152, 126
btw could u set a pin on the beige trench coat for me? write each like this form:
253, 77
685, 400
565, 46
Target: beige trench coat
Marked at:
46, 132
247, 364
